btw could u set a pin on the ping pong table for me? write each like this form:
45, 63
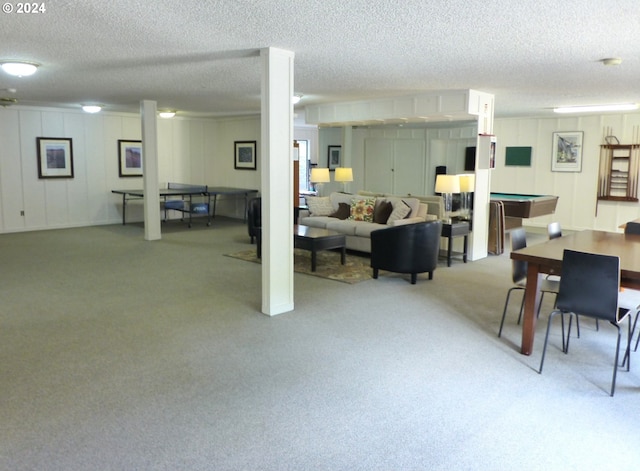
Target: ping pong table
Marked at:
185, 193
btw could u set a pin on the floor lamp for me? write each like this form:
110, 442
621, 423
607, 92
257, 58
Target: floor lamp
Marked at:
344, 175
447, 185
318, 177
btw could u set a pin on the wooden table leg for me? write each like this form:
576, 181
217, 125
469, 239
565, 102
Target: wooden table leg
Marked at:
531, 301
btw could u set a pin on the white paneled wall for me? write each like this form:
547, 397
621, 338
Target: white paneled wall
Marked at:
577, 191
431, 147
190, 150
202, 151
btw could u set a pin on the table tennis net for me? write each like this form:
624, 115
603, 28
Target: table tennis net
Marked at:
186, 186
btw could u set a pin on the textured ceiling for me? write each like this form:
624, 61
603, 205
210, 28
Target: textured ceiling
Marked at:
201, 58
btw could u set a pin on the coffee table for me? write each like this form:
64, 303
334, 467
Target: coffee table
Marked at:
314, 239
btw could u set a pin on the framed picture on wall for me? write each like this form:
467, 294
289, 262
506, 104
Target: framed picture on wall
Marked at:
567, 152
55, 157
334, 157
245, 155
129, 158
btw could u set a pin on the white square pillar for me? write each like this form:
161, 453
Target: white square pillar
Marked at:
276, 167
479, 239
148, 114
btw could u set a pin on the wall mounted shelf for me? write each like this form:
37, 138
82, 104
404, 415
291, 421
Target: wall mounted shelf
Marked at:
619, 168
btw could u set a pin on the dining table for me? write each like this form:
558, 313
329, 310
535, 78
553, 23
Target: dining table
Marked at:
546, 258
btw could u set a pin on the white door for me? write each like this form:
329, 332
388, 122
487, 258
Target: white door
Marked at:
378, 165
409, 167
395, 166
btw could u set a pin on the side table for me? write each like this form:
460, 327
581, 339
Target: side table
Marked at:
456, 228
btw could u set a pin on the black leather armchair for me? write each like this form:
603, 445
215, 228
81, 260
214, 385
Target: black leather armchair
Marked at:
411, 248
254, 218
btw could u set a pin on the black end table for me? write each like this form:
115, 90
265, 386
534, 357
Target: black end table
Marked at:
455, 228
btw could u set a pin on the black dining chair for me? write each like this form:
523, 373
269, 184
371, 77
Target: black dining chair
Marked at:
589, 287
630, 298
554, 230
254, 223
632, 228
519, 277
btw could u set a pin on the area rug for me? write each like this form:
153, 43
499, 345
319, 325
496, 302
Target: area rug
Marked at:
356, 268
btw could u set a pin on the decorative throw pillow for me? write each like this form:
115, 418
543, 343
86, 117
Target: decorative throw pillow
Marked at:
362, 209
400, 211
382, 212
414, 206
343, 212
319, 205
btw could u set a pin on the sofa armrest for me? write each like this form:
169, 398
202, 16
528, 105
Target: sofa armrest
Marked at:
303, 213
403, 222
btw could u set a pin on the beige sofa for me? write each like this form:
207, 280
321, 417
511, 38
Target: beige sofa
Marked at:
354, 214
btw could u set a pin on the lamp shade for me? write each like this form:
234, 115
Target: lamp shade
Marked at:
447, 184
467, 182
319, 175
344, 174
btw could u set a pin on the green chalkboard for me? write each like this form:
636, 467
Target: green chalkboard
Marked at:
518, 156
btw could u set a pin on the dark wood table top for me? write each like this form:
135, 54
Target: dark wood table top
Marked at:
547, 258
313, 232
548, 255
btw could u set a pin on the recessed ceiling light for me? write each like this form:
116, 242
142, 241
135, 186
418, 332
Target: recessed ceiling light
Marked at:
592, 108
91, 108
20, 68
295, 99
167, 114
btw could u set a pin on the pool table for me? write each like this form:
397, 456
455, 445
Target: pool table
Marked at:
518, 207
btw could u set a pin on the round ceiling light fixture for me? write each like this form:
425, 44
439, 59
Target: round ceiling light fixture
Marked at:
167, 114
611, 61
4, 101
91, 108
19, 68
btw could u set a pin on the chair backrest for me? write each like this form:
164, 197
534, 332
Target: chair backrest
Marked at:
632, 228
589, 285
554, 230
408, 248
254, 213
518, 241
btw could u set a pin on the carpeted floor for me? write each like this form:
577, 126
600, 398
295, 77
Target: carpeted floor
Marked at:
356, 268
121, 354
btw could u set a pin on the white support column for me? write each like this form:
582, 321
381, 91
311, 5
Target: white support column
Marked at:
276, 166
479, 240
148, 114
